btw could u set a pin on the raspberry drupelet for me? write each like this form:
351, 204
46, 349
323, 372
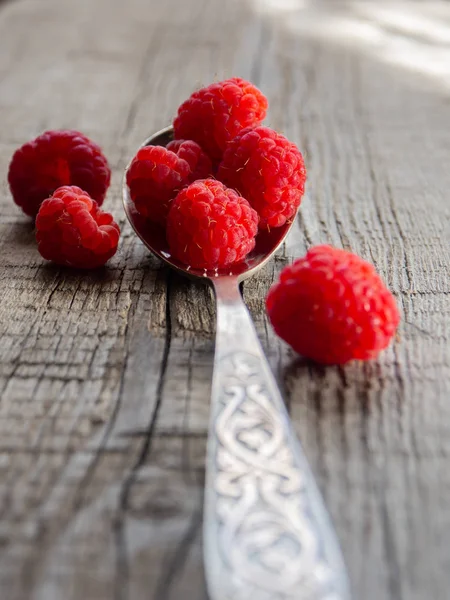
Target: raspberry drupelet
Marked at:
72, 230
215, 114
210, 226
332, 306
268, 170
157, 174
54, 159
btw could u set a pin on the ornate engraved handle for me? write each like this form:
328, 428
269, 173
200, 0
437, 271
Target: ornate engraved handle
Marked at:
267, 535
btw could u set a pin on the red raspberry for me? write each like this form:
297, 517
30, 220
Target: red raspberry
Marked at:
72, 230
332, 306
210, 226
199, 162
54, 159
268, 170
157, 174
213, 115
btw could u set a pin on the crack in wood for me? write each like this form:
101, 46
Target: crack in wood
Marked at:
122, 566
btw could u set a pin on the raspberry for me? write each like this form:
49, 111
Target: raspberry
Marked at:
213, 115
198, 161
210, 226
157, 174
268, 170
331, 306
72, 230
54, 159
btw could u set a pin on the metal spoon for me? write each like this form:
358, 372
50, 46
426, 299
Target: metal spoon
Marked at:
267, 535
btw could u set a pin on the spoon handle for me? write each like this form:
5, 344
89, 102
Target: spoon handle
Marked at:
267, 535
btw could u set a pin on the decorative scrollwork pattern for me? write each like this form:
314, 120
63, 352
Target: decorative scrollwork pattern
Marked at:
266, 536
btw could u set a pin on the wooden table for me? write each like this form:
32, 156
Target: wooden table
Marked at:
105, 376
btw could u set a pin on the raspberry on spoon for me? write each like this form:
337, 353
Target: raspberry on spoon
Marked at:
157, 174
199, 162
215, 114
268, 170
210, 226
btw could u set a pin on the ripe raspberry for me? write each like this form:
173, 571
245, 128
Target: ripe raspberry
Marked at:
210, 226
72, 230
157, 174
213, 115
333, 307
199, 162
54, 159
268, 170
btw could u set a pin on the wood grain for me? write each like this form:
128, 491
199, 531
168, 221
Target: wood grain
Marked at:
105, 376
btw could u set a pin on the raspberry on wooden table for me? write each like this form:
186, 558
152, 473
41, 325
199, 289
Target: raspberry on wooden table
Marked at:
332, 306
210, 226
72, 230
157, 174
268, 170
213, 115
54, 159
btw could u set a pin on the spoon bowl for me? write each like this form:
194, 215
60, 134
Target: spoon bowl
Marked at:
153, 235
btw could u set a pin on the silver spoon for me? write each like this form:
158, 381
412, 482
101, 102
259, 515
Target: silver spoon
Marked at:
267, 534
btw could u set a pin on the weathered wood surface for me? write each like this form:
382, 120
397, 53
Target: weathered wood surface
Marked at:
105, 376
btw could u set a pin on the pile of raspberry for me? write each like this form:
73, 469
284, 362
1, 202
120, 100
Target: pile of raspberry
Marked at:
222, 179
61, 178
